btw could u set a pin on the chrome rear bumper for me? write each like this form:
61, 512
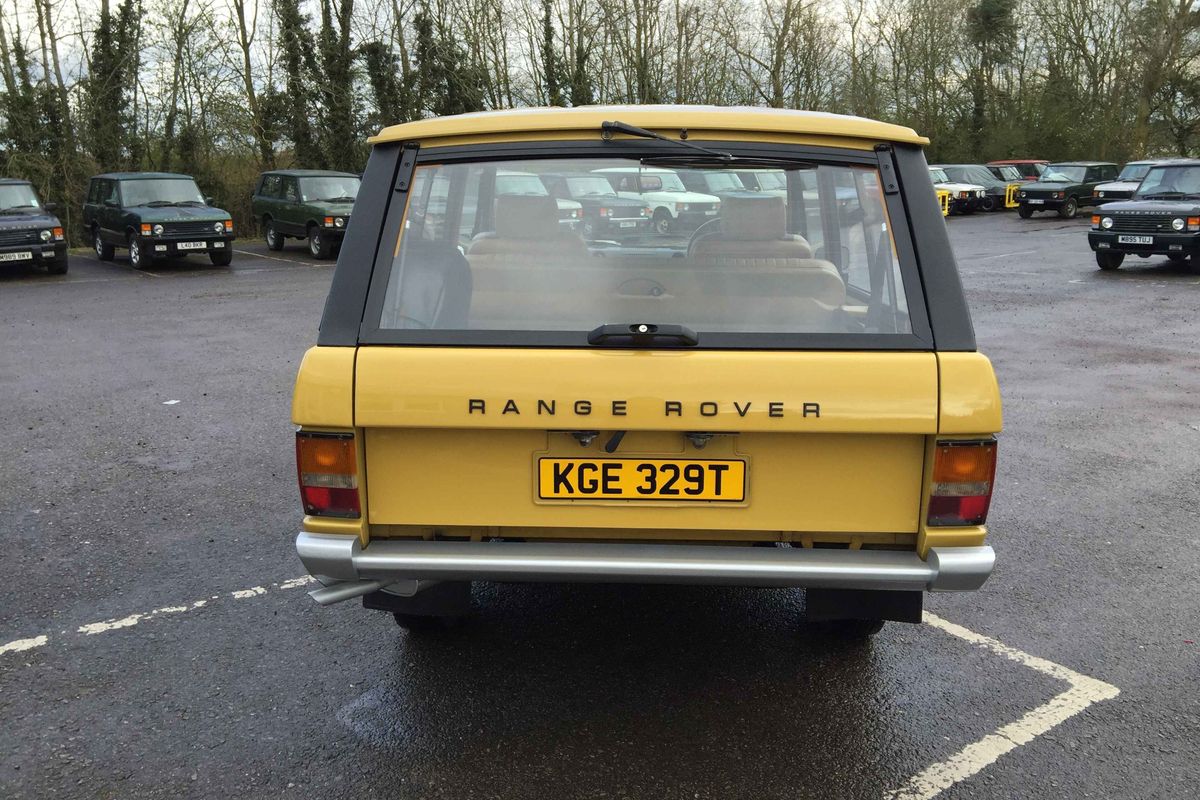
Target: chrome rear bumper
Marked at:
341, 560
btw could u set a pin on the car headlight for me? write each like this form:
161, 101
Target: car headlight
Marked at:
1179, 223
1100, 194
46, 235
1106, 223
218, 228
158, 230
1022, 194
340, 222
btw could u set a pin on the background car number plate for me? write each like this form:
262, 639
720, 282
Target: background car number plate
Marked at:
629, 224
190, 246
24, 255
1036, 202
641, 479
1135, 239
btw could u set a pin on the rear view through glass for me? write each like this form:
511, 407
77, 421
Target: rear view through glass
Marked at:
486, 246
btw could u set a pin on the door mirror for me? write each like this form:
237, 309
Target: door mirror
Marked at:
111, 204
51, 207
208, 201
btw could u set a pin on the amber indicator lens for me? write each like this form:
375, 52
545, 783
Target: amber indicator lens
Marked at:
327, 467
967, 463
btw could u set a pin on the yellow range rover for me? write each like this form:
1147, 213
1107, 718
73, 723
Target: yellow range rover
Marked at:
779, 390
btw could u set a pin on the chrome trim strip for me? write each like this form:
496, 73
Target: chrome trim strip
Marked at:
344, 559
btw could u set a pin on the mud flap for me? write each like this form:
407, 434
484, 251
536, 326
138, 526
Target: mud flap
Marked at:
833, 604
432, 599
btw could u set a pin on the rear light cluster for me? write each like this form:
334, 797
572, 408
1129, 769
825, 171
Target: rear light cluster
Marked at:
328, 468
963, 473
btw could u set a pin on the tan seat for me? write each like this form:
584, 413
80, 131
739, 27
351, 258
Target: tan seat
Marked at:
752, 226
526, 224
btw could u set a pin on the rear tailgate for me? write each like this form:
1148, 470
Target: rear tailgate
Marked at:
830, 441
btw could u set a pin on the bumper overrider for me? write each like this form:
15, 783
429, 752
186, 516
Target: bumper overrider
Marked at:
39, 253
347, 569
1163, 243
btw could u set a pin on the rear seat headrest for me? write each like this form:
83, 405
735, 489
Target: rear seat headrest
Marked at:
523, 216
753, 217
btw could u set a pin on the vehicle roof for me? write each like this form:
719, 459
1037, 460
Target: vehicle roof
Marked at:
661, 117
14, 182
943, 166
309, 173
1170, 162
1001, 161
125, 176
1083, 164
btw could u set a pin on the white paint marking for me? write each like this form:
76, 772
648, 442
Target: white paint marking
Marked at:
251, 592
296, 583
1002, 255
279, 258
170, 402
1082, 692
20, 645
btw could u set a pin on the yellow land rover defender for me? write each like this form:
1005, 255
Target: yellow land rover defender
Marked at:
785, 393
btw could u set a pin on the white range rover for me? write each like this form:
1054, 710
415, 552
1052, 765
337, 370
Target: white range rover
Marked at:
675, 208
965, 198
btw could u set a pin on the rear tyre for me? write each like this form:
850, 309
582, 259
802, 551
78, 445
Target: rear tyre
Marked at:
221, 258
851, 629
274, 238
988, 204
1109, 261
1024, 211
1069, 209
104, 251
419, 623
318, 245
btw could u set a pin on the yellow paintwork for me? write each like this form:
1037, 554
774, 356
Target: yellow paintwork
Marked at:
970, 396
324, 394
943, 197
860, 392
701, 122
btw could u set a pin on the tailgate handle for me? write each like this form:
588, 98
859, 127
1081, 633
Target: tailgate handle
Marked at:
643, 334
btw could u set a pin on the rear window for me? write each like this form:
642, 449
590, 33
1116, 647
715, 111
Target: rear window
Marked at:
812, 255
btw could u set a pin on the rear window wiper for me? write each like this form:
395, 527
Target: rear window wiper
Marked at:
643, 334
607, 129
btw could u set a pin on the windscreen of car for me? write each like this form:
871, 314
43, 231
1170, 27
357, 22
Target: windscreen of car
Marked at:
1171, 182
329, 189
1134, 172
161, 192
471, 259
590, 187
1010, 173
770, 180
723, 181
939, 176
972, 174
17, 197
520, 184
1063, 173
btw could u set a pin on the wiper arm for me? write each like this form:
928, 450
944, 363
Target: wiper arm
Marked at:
607, 129
643, 334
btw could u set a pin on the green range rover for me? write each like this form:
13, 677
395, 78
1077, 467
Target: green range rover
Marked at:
155, 215
305, 204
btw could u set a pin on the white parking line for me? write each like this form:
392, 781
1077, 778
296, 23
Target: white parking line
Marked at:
281, 258
1082, 692
104, 626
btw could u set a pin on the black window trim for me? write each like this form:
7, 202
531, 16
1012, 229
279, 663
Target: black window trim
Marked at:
921, 339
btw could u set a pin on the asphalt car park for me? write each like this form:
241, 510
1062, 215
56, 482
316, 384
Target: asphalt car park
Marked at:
155, 639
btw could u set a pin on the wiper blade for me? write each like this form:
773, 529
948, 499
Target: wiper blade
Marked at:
15, 208
607, 129
643, 334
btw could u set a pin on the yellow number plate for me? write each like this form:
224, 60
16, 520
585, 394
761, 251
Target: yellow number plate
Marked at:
641, 479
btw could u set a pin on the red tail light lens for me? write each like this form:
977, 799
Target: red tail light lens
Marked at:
963, 473
327, 466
